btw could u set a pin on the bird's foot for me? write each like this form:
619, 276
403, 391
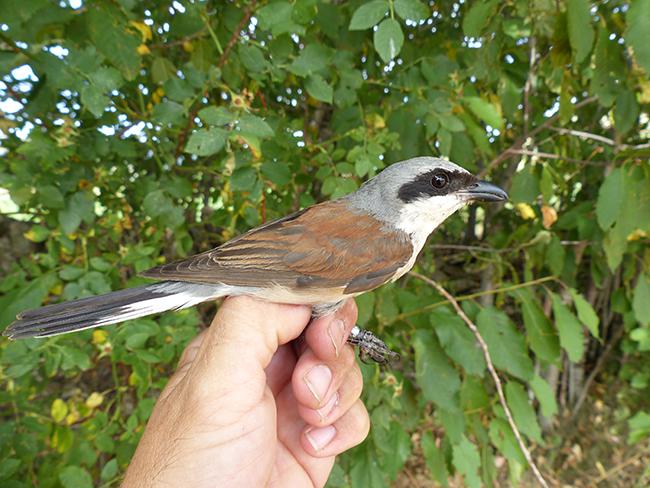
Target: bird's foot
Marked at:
371, 347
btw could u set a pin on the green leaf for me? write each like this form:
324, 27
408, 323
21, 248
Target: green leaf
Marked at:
435, 459
109, 34
467, 461
75, 477
50, 196
506, 344
368, 15
318, 88
581, 32
411, 10
254, 125
475, 20
571, 336
641, 301
639, 425
168, 112
458, 341
279, 173
525, 187
109, 471
243, 179
522, 411
78, 208
610, 199
485, 111
217, 116
162, 69
438, 380
313, 58
388, 39
94, 100
252, 58
636, 34
626, 111
278, 17
586, 313
503, 438
542, 337
206, 142
8, 467
545, 395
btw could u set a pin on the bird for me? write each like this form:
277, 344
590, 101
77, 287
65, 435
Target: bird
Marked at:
318, 256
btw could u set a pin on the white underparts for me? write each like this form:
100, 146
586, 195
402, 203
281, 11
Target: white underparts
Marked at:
421, 217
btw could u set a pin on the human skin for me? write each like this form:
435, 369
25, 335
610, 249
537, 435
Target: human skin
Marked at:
247, 408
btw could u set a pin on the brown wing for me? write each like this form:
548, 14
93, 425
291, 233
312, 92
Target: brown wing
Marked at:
324, 246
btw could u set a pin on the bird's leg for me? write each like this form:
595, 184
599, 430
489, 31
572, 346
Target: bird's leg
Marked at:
370, 346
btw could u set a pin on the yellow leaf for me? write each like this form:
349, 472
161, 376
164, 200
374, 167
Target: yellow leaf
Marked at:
58, 410
644, 95
72, 417
143, 49
549, 216
99, 336
636, 235
56, 289
188, 47
94, 400
143, 29
526, 211
375, 121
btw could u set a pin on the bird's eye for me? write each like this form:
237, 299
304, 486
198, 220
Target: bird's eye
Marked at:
440, 180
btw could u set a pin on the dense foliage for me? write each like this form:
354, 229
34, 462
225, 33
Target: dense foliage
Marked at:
136, 132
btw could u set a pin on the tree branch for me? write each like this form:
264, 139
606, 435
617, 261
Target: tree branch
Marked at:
182, 137
493, 372
517, 145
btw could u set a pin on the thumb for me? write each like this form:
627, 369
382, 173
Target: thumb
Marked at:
243, 337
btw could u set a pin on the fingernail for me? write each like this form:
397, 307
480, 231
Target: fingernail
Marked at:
326, 409
336, 332
320, 437
318, 381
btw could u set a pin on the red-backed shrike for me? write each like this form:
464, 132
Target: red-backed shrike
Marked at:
318, 256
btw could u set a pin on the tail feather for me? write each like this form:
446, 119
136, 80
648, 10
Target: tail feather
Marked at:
111, 308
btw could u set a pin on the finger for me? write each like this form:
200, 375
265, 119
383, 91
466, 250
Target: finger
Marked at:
247, 331
340, 401
315, 381
348, 431
290, 432
278, 372
327, 335
184, 363
190, 351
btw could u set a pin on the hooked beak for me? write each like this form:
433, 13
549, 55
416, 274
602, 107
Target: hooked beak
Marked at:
483, 191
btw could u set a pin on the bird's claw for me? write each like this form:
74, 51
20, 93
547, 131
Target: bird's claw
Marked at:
371, 347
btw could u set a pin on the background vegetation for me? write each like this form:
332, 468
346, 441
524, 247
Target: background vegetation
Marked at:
135, 132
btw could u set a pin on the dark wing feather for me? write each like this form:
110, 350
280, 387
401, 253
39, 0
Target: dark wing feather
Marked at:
324, 246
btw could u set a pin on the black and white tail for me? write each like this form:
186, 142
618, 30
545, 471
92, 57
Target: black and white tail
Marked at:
111, 308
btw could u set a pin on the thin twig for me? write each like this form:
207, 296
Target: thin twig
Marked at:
520, 142
493, 372
584, 135
545, 155
478, 294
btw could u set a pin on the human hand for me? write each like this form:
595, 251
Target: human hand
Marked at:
243, 409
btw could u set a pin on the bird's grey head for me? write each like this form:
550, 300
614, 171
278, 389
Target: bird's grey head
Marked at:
418, 194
